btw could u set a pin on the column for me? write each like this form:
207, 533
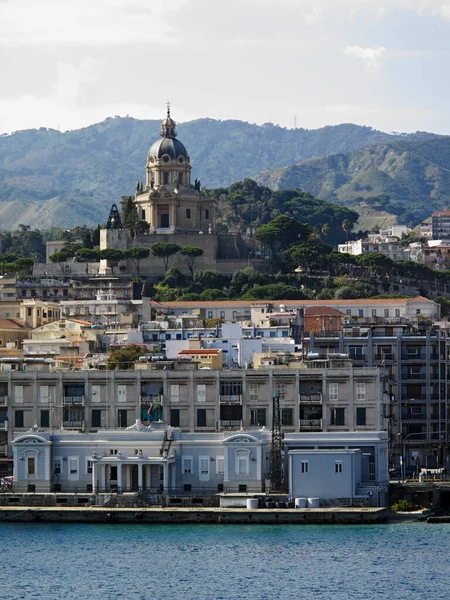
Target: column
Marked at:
119, 475
102, 477
297, 402
140, 476
172, 217
94, 477
173, 471
165, 476
153, 214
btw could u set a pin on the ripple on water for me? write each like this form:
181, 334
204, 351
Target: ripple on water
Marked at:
107, 562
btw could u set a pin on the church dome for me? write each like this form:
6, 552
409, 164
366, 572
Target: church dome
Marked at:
168, 145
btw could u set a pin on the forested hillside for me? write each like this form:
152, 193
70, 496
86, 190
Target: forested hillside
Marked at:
49, 178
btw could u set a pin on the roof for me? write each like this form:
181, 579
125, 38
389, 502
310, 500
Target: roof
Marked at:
299, 303
323, 310
170, 146
80, 321
11, 324
199, 352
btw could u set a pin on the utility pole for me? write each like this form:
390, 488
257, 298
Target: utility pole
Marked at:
276, 474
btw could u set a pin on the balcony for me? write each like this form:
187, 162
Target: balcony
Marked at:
234, 399
3, 450
413, 376
230, 424
3, 400
310, 424
415, 417
314, 398
4, 426
384, 356
414, 356
357, 357
74, 400
79, 425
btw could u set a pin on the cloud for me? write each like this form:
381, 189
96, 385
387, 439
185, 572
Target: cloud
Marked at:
371, 57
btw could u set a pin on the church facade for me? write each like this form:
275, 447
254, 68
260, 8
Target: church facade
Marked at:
172, 208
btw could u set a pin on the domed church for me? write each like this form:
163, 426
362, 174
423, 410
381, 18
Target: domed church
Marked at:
173, 209
168, 201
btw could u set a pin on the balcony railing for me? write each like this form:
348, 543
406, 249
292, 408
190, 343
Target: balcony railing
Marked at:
3, 450
3, 400
233, 399
384, 356
73, 399
357, 357
413, 376
311, 424
415, 417
73, 424
315, 397
233, 423
4, 426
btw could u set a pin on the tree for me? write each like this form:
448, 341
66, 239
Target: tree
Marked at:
164, 250
124, 357
21, 266
60, 258
174, 278
274, 291
282, 232
96, 237
325, 230
191, 253
346, 226
87, 255
112, 256
208, 280
136, 255
131, 220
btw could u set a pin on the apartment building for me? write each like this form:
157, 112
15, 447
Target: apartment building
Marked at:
416, 360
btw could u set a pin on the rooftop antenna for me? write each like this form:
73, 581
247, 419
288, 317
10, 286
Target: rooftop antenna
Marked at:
168, 108
295, 121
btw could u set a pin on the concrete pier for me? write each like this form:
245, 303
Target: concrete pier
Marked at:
158, 516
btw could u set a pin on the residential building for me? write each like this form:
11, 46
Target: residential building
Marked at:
440, 225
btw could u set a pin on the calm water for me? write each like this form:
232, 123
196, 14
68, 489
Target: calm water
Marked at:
83, 562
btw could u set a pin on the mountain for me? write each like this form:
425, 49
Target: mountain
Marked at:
49, 178
409, 179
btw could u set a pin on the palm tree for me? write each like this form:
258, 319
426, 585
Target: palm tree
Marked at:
346, 226
325, 230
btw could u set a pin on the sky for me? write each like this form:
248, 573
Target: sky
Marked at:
67, 64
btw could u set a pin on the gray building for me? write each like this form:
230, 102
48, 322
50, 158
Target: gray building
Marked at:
164, 461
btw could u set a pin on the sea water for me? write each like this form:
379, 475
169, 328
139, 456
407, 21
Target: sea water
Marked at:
104, 562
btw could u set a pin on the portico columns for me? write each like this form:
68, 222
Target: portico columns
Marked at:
94, 477
140, 476
165, 476
173, 475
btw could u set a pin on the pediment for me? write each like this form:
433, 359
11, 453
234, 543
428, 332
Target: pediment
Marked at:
31, 440
242, 439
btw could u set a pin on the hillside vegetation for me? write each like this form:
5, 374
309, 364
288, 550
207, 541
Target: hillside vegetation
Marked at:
49, 178
408, 179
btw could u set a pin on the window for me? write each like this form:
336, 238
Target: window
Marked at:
418, 311
220, 465
287, 416
201, 393
31, 465
165, 177
201, 417
333, 392
188, 213
222, 314
206, 214
281, 390
258, 417
122, 420
374, 312
143, 215
361, 312
397, 312
45, 418
253, 392
96, 393
174, 392
121, 393
73, 467
174, 417
304, 467
231, 388
44, 394
96, 417
203, 468
210, 314
89, 466
360, 417
187, 465
242, 463
386, 312
338, 467
348, 311
18, 394
18, 418
113, 451
338, 416
187, 487
57, 466
360, 391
